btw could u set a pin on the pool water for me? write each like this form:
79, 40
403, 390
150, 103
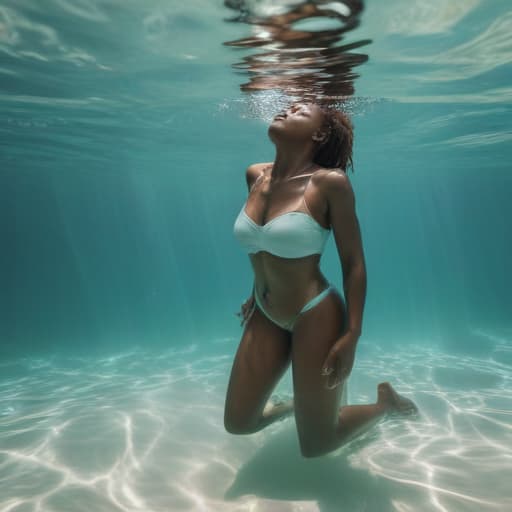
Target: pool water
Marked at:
125, 135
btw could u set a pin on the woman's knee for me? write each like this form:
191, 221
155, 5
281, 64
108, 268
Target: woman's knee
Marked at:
235, 422
237, 427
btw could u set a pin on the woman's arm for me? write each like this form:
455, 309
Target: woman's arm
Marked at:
252, 173
347, 234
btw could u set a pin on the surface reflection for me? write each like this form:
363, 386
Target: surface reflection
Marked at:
304, 53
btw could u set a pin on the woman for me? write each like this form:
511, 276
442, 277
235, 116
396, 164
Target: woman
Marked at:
294, 314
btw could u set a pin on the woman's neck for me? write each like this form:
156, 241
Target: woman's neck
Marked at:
288, 164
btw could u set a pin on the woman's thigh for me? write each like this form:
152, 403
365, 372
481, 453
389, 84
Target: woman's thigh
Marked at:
316, 407
262, 358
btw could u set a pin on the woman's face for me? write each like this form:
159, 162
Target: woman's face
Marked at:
299, 121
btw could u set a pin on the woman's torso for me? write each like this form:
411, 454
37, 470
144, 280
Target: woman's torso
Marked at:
285, 284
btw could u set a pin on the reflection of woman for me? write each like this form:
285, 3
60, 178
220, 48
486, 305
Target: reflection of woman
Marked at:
294, 314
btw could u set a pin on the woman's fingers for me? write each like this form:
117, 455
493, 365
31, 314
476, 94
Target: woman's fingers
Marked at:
243, 314
334, 371
248, 306
335, 379
246, 309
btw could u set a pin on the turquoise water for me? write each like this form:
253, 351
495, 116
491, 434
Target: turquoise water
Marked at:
124, 141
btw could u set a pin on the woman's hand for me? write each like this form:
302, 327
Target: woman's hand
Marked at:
246, 309
340, 360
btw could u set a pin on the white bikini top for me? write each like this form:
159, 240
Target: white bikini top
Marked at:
289, 235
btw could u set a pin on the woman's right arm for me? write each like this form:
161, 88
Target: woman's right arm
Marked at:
252, 173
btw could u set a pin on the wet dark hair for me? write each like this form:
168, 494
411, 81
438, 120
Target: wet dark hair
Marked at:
336, 150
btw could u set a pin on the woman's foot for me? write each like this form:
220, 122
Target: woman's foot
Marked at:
393, 403
279, 407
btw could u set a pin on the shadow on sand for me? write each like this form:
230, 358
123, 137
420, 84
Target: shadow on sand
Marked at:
278, 471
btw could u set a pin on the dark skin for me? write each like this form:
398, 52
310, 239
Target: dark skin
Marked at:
324, 337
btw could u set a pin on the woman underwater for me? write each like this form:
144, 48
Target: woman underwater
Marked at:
294, 314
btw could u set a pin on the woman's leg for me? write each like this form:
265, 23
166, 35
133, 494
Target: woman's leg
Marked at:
263, 356
321, 424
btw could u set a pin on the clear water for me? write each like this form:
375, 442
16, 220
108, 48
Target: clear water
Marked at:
124, 141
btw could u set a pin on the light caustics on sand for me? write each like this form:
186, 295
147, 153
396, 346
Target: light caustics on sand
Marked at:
143, 432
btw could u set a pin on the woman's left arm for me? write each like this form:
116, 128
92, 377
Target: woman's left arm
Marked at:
347, 235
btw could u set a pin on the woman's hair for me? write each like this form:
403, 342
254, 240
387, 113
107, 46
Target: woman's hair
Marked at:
336, 150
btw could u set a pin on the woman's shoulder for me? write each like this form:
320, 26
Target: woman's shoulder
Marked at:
324, 176
331, 182
258, 168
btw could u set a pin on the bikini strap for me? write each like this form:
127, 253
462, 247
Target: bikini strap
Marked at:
304, 200
307, 207
304, 194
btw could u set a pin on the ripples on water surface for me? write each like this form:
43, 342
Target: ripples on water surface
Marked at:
112, 77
